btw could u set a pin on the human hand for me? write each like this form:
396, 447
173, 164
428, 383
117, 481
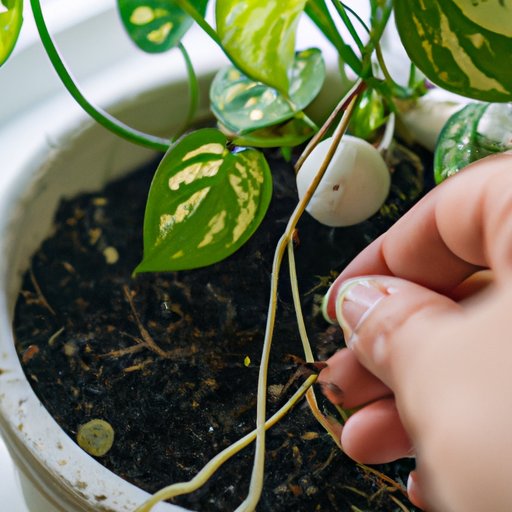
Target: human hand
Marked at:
429, 361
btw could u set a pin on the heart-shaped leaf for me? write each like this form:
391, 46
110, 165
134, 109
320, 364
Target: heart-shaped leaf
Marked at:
11, 19
242, 105
204, 203
259, 36
288, 134
461, 45
155, 26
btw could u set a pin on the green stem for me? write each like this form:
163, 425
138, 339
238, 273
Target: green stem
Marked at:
319, 13
382, 65
357, 17
340, 7
99, 115
199, 19
193, 89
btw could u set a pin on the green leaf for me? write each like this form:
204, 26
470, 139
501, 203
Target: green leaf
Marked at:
155, 26
319, 13
259, 36
379, 15
369, 115
461, 45
204, 203
11, 19
476, 131
242, 105
288, 134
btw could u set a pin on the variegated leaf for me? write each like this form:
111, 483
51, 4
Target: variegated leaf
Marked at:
204, 203
11, 18
461, 45
259, 36
155, 26
242, 105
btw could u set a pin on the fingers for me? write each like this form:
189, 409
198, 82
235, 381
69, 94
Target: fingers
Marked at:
345, 382
414, 490
384, 320
375, 435
461, 226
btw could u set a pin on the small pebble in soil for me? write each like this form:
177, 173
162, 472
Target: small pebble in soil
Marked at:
96, 437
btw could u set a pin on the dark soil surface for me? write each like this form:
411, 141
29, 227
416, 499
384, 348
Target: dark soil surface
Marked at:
176, 405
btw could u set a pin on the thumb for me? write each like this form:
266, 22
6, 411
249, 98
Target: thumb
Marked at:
385, 320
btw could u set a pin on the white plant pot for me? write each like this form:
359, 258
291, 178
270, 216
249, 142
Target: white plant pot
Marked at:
71, 155
52, 152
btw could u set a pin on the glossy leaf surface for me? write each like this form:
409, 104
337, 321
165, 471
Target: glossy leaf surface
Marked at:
369, 115
260, 37
204, 203
242, 105
156, 25
476, 131
11, 19
288, 134
461, 45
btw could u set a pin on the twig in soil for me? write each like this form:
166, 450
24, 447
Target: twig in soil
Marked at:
54, 336
125, 351
148, 340
138, 367
305, 369
399, 504
323, 282
40, 296
320, 468
141, 345
383, 478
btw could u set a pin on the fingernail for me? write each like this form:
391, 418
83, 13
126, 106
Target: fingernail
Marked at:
414, 491
331, 389
325, 307
356, 298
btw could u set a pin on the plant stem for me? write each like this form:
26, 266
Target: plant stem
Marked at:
256, 485
320, 15
104, 118
355, 91
214, 464
193, 89
199, 19
382, 64
306, 345
340, 7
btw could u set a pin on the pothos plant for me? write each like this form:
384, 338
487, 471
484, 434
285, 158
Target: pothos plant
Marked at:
213, 186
